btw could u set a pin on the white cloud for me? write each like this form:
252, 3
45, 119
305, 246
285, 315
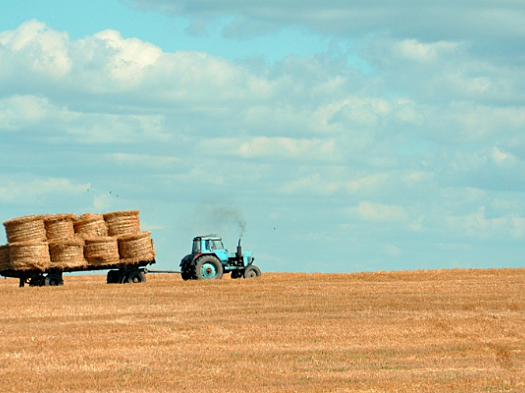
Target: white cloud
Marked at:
48, 47
313, 184
477, 224
448, 19
378, 212
287, 148
14, 189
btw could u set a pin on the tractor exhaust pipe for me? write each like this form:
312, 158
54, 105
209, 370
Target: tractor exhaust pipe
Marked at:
239, 251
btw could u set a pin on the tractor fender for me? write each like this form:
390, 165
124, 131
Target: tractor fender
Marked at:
202, 254
186, 260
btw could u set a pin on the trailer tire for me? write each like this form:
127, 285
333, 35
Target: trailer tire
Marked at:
252, 272
208, 267
53, 280
113, 277
136, 277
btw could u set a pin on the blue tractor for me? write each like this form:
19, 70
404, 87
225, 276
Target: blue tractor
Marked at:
209, 260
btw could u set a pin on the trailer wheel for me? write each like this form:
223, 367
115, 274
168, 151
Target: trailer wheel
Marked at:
53, 280
208, 267
136, 276
252, 272
113, 277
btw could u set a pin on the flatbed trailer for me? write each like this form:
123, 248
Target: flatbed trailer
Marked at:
118, 273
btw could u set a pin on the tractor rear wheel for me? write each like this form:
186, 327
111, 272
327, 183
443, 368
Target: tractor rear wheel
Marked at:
208, 267
252, 272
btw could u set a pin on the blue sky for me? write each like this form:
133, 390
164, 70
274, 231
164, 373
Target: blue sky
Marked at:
343, 136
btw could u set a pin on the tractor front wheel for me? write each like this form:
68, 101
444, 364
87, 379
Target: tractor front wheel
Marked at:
252, 272
208, 268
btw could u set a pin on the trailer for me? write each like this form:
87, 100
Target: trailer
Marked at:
118, 274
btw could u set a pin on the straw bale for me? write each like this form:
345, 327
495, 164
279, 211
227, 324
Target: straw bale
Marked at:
29, 256
101, 251
59, 227
90, 225
68, 254
4, 257
123, 223
26, 229
136, 248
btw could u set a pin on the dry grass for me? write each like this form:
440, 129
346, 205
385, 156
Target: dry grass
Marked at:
433, 331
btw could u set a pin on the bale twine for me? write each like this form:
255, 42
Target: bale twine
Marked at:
101, 251
123, 223
4, 257
26, 229
136, 248
67, 254
59, 227
29, 256
90, 225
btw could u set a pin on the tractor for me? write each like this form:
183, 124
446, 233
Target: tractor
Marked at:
209, 260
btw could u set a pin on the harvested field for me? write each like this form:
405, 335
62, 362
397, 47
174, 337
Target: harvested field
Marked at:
427, 331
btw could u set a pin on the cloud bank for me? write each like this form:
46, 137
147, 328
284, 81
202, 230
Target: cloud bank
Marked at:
421, 151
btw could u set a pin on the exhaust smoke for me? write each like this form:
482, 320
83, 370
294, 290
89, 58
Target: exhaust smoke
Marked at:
225, 216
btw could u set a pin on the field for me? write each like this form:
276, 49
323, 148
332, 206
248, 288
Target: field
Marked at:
425, 331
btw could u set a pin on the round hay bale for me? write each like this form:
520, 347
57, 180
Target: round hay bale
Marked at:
59, 227
4, 257
101, 251
136, 248
123, 223
29, 256
26, 229
90, 225
68, 254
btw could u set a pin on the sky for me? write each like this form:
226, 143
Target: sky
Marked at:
334, 136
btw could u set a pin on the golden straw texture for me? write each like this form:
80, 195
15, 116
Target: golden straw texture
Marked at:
67, 254
123, 223
4, 257
90, 225
101, 251
136, 248
29, 256
59, 227
26, 229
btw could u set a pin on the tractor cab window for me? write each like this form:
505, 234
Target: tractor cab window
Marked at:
217, 245
196, 247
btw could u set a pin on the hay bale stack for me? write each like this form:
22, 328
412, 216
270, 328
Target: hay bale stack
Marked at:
29, 256
101, 251
68, 254
123, 223
136, 248
59, 227
26, 229
4, 257
89, 226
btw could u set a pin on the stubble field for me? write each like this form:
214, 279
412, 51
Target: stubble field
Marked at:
426, 331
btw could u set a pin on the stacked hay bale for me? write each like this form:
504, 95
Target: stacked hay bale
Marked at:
134, 246
66, 242
66, 249
90, 225
4, 257
28, 248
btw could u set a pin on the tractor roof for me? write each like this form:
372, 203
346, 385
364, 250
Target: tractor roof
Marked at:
210, 237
